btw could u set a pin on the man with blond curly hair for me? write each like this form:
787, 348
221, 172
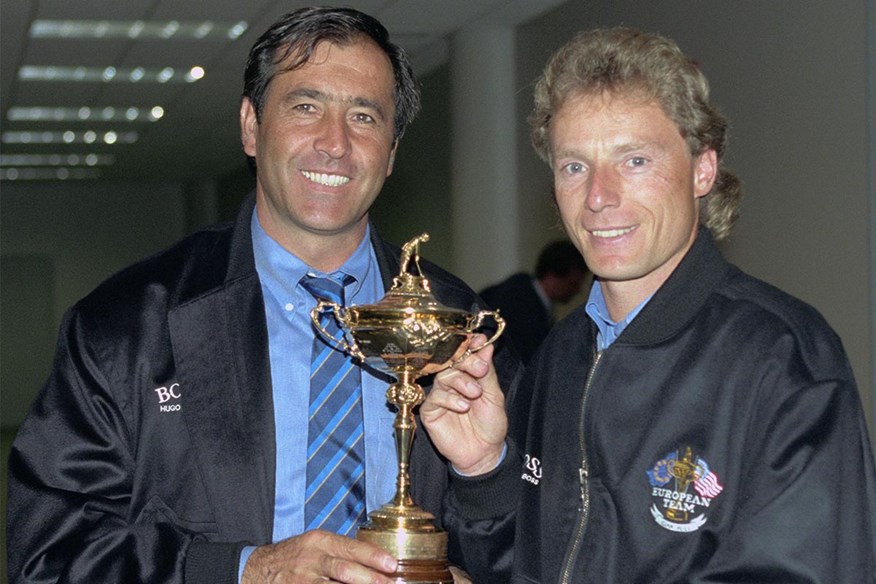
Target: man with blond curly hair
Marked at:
690, 423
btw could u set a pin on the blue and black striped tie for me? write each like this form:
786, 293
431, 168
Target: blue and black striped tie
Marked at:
335, 497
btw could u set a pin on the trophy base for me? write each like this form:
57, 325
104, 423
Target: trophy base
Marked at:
422, 572
409, 535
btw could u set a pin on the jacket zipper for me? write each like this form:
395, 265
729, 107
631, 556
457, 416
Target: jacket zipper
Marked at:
583, 477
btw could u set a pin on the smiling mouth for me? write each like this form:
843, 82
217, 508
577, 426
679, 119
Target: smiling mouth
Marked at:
607, 233
329, 180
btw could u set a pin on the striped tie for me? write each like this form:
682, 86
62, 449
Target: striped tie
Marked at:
335, 496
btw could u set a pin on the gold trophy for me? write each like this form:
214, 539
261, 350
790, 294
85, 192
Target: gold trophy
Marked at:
407, 334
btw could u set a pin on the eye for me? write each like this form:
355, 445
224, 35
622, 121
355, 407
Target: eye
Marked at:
573, 168
304, 107
638, 161
364, 118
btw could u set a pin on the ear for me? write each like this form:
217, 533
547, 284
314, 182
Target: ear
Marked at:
391, 163
248, 126
705, 172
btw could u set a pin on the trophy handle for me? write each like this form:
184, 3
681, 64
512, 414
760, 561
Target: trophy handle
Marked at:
340, 315
479, 319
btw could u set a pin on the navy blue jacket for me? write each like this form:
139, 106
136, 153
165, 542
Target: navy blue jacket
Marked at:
720, 438
149, 455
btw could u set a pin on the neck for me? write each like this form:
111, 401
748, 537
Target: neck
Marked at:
620, 300
325, 252
622, 296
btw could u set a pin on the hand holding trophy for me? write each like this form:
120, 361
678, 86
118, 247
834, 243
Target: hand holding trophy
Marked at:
407, 334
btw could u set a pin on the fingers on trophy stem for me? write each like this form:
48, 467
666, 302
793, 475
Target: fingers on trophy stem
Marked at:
461, 358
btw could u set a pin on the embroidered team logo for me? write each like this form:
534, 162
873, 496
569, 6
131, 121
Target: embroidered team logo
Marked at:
676, 506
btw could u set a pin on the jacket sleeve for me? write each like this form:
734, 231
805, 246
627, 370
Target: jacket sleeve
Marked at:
480, 512
808, 506
480, 516
72, 471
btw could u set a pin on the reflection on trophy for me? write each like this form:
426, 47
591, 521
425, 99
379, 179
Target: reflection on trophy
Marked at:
407, 335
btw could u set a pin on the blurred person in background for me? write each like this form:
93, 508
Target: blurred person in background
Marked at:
527, 302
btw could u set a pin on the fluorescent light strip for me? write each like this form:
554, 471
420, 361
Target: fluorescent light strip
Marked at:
70, 137
48, 173
84, 114
91, 159
110, 74
136, 29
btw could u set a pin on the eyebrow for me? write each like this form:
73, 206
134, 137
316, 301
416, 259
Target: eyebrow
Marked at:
318, 95
619, 148
628, 147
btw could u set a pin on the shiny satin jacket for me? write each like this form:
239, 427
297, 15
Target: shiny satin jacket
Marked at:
719, 439
149, 455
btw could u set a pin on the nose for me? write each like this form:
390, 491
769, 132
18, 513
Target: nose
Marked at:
603, 190
333, 137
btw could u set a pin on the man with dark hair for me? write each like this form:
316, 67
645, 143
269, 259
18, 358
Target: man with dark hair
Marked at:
527, 302
181, 436
690, 423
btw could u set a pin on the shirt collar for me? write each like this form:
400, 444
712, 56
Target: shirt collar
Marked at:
281, 270
609, 330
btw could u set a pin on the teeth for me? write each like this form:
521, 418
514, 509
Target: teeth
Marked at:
611, 232
329, 180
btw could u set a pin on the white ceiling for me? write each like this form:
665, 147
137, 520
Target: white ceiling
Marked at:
198, 136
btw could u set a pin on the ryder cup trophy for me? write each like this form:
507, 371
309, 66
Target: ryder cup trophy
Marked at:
407, 335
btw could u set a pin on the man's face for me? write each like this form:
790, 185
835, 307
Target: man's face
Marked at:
627, 187
324, 145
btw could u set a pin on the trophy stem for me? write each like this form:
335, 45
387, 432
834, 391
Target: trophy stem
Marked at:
400, 526
405, 426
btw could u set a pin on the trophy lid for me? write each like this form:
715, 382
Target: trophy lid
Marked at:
410, 292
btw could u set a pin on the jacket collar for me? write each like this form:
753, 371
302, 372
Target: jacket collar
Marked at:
387, 258
241, 261
220, 347
682, 295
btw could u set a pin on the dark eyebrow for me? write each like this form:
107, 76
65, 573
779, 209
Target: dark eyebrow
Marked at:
318, 95
369, 104
307, 92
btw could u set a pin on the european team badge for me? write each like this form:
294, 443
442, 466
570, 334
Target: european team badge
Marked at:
674, 506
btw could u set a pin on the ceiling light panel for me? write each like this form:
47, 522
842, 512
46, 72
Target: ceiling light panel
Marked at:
84, 114
109, 137
91, 159
14, 174
110, 74
136, 29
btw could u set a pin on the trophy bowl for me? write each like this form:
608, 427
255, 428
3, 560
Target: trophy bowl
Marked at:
407, 335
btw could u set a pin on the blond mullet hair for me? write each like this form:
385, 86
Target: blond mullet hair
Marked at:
624, 61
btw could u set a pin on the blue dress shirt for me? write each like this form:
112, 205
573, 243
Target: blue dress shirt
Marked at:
290, 337
609, 330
